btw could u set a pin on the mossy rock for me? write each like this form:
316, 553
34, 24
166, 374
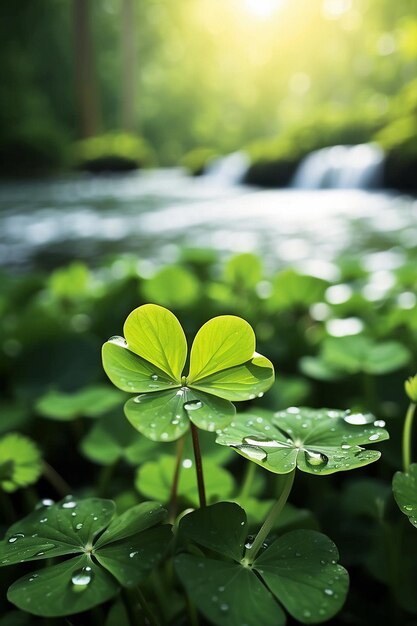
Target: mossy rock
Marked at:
196, 161
113, 152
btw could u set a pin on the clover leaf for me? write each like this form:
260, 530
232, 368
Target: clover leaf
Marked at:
317, 441
352, 355
150, 360
20, 462
91, 401
297, 571
404, 486
154, 479
100, 561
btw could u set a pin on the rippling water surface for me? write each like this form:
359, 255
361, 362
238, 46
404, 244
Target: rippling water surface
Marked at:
45, 223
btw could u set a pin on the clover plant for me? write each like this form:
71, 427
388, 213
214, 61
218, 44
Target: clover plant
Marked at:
208, 560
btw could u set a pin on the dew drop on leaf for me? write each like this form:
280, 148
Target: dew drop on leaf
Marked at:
46, 502
154, 377
119, 341
266, 443
257, 454
359, 419
315, 459
193, 405
69, 505
374, 437
82, 578
379, 423
15, 537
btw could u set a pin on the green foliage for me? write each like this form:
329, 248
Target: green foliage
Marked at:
172, 286
223, 367
154, 479
91, 401
320, 441
404, 486
195, 161
411, 388
20, 462
122, 555
353, 355
113, 151
299, 570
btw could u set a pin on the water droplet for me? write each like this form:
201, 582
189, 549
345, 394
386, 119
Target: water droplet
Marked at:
261, 394
39, 553
374, 437
306, 613
79, 526
82, 578
16, 537
69, 505
249, 541
193, 405
329, 592
264, 442
252, 452
315, 459
345, 446
379, 423
242, 523
46, 502
407, 507
132, 554
154, 377
43, 520
359, 419
224, 607
119, 341
187, 463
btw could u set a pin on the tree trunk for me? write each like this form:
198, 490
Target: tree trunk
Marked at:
128, 65
85, 73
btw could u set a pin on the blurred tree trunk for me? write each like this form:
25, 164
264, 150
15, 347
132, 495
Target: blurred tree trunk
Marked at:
85, 73
128, 65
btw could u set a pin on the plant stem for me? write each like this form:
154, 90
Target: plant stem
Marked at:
146, 608
56, 480
248, 480
172, 509
104, 477
132, 608
198, 466
192, 613
251, 553
408, 426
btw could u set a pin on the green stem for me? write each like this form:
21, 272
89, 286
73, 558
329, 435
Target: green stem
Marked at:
132, 608
55, 479
172, 509
192, 613
198, 466
146, 608
408, 426
251, 553
105, 475
248, 481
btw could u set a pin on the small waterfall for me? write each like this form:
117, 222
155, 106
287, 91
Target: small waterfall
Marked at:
341, 167
228, 170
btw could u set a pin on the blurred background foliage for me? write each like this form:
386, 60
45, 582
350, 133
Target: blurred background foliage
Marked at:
279, 78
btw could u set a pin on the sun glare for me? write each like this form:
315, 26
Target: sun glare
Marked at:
263, 9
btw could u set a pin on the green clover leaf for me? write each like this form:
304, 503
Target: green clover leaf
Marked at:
150, 360
20, 462
404, 487
298, 571
91, 401
317, 441
100, 562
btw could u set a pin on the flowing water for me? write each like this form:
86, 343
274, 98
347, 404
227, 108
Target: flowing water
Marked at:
151, 214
